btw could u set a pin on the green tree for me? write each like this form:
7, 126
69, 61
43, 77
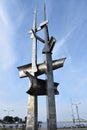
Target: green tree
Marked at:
16, 119
8, 119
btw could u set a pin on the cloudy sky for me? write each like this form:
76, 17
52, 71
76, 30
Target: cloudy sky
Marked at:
68, 24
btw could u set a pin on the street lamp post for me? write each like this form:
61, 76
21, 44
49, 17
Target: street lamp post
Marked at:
77, 112
8, 115
73, 118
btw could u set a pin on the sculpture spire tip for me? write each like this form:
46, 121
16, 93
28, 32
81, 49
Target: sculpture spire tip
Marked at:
44, 11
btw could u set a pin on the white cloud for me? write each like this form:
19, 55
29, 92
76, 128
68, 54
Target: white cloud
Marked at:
62, 41
3, 17
7, 56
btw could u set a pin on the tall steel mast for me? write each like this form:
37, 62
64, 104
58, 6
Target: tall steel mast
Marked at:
32, 112
51, 109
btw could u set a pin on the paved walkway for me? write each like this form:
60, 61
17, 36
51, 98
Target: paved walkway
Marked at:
65, 129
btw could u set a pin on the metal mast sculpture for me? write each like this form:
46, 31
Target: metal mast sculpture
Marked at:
40, 87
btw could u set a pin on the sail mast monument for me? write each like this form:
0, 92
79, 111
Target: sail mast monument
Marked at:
40, 87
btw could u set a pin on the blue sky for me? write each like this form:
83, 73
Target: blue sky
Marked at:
68, 24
